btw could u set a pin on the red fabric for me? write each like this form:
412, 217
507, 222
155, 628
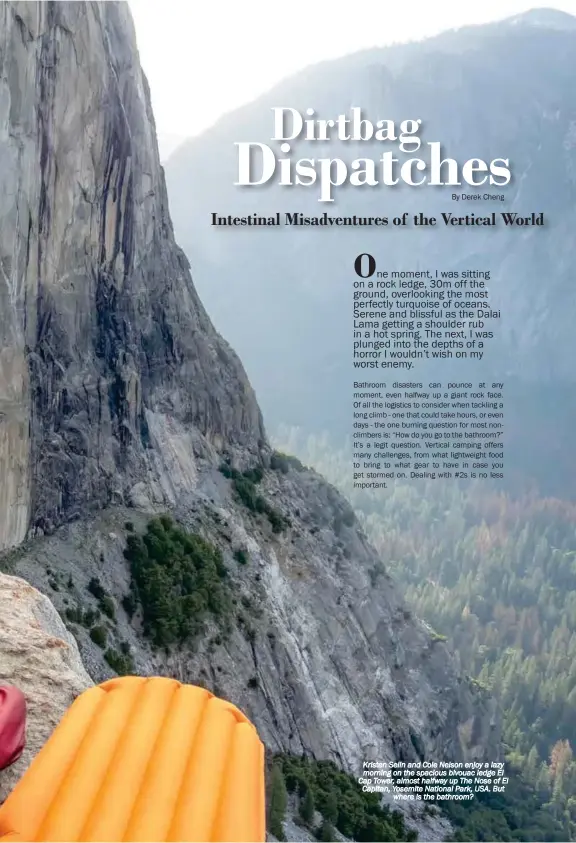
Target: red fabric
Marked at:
12, 725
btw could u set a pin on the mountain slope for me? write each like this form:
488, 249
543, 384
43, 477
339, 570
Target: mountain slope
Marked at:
120, 401
499, 90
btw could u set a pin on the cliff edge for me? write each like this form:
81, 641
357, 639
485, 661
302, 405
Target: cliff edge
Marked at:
39, 656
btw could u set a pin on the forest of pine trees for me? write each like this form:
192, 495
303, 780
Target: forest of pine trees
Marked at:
497, 576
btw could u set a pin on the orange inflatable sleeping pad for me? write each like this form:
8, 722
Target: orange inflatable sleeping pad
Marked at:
143, 759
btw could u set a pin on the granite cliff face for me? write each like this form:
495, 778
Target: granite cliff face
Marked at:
105, 348
119, 399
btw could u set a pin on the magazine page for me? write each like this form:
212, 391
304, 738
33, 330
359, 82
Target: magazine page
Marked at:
288, 508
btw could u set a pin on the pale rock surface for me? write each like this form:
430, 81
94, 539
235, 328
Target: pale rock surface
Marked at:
109, 366
39, 656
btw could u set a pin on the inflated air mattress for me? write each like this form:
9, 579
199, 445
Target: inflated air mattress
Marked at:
143, 759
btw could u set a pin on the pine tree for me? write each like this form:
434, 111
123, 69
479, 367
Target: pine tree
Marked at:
278, 802
532, 765
330, 809
307, 807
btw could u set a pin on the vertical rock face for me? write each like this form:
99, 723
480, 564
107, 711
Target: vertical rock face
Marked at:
102, 335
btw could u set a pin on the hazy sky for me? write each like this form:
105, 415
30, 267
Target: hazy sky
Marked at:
205, 57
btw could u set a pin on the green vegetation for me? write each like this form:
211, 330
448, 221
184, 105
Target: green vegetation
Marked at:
121, 663
179, 579
73, 614
245, 485
89, 617
96, 588
516, 814
85, 617
241, 556
277, 802
283, 462
322, 786
435, 636
306, 808
99, 635
377, 571
129, 604
326, 832
108, 606
496, 576
105, 601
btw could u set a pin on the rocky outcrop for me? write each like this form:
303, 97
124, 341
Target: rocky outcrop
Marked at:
105, 349
39, 656
118, 399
